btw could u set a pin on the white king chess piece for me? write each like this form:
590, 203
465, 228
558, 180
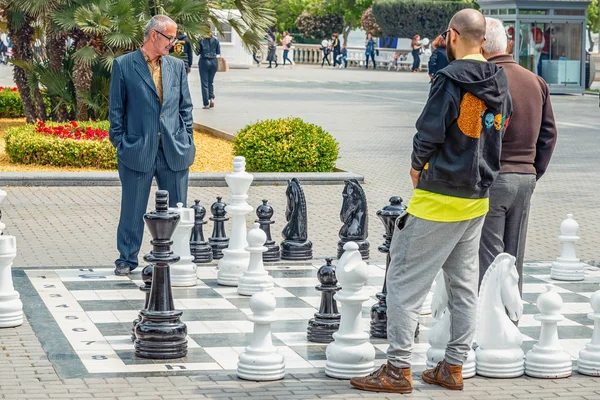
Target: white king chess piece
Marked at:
183, 272
567, 267
11, 307
236, 257
350, 354
499, 354
589, 357
255, 279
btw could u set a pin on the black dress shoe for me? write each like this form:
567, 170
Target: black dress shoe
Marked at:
122, 269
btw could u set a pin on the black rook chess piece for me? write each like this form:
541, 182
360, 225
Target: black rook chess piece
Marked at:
147, 279
264, 212
295, 245
160, 333
355, 218
218, 241
327, 320
199, 248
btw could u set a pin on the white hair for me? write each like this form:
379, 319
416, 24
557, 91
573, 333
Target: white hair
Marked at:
496, 40
159, 23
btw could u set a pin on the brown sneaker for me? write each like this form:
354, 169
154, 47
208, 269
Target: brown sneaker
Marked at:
386, 379
445, 375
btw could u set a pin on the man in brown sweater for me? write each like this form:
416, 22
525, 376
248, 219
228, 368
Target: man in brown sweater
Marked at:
527, 147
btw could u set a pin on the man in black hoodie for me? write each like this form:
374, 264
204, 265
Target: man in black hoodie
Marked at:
455, 159
183, 48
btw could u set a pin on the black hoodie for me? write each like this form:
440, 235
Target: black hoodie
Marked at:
183, 47
459, 133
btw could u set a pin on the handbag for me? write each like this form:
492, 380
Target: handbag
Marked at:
222, 65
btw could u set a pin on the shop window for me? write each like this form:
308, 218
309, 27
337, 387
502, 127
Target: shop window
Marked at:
569, 12
526, 11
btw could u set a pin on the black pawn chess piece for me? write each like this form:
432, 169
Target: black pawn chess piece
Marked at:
295, 245
219, 240
355, 219
160, 333
264, 212
327, 320
199, 248
147, 279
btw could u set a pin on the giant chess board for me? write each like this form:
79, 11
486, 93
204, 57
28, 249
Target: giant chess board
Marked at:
83, 318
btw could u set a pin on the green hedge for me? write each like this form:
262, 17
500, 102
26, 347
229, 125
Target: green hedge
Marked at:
10, 104
286, 145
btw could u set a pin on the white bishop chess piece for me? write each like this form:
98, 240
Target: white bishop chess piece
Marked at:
547, 359
260, 361
567, 267
11, 307
589, 357
255, 278
439, 335
183, 272
499, 354
350, 354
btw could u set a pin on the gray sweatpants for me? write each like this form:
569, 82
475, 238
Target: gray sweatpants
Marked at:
417, 253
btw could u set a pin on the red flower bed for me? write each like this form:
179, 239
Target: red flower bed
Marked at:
71, 131
8, 89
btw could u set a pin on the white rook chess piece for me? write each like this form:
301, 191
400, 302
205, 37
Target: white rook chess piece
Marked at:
589, 357
236, 257
11, 307
183, 272
567, 267
350, 354
547, 359
260, 361
255, 279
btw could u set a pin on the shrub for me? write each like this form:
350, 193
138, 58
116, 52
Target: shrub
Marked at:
10, 103
286, 145
319, 26
49, 144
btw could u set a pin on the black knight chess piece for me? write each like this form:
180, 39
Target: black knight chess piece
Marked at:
199, 248
355, 219
295, 245
219, 240
147, 279
264, 212
160, 333
327, 320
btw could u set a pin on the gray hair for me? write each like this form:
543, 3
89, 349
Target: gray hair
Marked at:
158, 23
495, 37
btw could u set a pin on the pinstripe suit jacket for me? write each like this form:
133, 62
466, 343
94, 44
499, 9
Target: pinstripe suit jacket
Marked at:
137, 119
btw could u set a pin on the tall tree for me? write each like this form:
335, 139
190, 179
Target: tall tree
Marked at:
593, 23
349, 10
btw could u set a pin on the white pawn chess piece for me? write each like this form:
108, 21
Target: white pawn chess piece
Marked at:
547, 359
236, 257
350, 354
255, 279
11, 307
183, 272
439, 335
499, 353
567, 267
589, 357
260, 361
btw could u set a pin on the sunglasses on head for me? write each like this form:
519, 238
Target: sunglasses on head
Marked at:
445, 34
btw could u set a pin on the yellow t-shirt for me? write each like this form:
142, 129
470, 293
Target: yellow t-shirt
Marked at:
443, 208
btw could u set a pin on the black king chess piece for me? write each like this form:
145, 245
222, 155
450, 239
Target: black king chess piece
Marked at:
295, 245
218, 241
327, 320
355, 219
160, 333
199, 248
264, 212
147, 279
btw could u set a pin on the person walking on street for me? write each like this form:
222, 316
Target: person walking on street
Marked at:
210, 50
337, 48
150, 114
325, 48
416, 53
438, 59
183, 47
455, 159
272, 53
286, 41
370, 50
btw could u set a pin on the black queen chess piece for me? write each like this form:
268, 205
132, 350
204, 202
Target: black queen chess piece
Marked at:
145, 288
355, 219
327, 320
199, 248
295, 245
264, 212
160, 333
219, 240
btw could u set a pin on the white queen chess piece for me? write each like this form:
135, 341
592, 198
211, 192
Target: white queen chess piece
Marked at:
236, 257
350, 354
567, 267
183, 272
11, 307
589, 357
547, 359
499, 354
255, 278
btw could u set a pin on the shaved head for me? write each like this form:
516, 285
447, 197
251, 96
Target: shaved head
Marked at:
471, 25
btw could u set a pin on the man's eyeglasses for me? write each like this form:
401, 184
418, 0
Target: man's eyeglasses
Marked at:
445, 34
170, 39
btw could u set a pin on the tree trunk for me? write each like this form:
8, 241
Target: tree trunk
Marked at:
347, 30
56, 53
591, 40
82, 79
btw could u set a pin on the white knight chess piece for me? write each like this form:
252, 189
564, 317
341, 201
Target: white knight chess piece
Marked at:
589, 357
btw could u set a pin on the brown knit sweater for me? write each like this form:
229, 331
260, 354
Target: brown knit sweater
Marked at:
529, 140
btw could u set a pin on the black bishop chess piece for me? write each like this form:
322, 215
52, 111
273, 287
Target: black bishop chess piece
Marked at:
355, 219
327, 320
160, 334
295, 245
147, 279
219, 240
264, 212
199, 248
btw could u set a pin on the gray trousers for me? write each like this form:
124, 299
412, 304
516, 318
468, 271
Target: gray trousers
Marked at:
417, 253
505, 226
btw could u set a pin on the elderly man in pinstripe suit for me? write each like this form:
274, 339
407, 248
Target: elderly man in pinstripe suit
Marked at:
151, 128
